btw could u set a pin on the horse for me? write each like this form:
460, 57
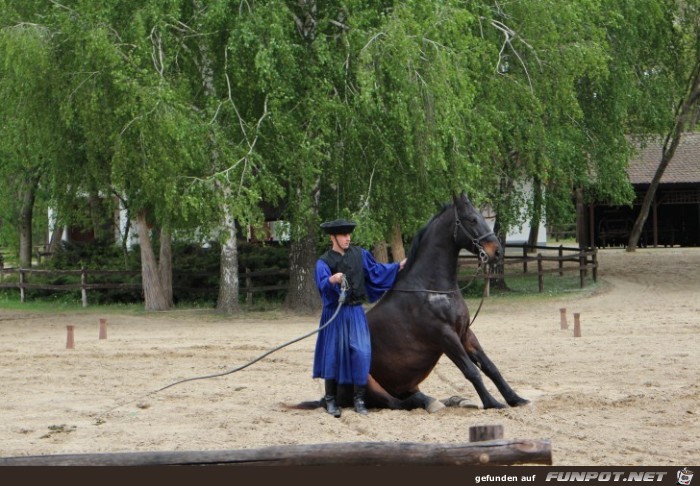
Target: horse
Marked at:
424, 316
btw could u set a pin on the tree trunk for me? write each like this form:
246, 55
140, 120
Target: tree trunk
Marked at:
381, 252
97, 216
55, 240
26, 215
154, 297
165, 265
302, 295
581, 218
398, 252
229, 285
228, 300
536, 214
684, 121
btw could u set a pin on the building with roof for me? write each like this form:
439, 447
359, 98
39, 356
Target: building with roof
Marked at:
674, 217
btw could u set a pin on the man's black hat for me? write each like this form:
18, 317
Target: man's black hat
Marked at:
338, 227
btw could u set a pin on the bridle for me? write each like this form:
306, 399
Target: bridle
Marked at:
483, 256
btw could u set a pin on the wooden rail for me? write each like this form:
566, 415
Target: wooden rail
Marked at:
491, 452
87, 277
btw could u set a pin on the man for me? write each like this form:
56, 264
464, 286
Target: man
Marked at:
343, 348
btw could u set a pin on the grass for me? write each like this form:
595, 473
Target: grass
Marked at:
67, 302
9, 301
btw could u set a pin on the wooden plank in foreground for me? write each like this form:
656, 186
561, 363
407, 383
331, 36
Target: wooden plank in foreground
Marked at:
493, 452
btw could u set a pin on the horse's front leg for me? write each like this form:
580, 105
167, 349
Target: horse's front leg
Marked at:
478, 356
456, 351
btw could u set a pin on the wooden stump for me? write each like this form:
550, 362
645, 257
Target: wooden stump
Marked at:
480, 433
103, 328
577, 324
564, 324
70, 339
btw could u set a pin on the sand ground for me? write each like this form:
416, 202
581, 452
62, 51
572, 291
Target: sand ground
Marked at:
625, 393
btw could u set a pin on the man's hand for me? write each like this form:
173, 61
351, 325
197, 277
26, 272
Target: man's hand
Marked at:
336, 278
402, 264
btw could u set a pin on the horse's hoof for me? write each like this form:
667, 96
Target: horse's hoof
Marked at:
467, 404
434, 406
460, 402
452, 401
496, 405
520, 403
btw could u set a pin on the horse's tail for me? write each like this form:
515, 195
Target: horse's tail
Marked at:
308, 405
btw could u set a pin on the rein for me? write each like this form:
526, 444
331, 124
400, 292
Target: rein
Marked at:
483, 259
427, 291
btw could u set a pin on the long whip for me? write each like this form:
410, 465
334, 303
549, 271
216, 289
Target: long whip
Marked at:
343, 291
344, 286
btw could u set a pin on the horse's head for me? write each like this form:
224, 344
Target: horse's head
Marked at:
473, 232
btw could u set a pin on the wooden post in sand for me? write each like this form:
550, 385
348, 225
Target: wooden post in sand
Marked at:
480, 433
103, 328
564, 324
577, 324
70, 339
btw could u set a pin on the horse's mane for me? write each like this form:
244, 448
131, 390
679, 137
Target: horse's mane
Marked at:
415, 243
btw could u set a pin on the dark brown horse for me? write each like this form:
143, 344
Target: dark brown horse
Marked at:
424, 316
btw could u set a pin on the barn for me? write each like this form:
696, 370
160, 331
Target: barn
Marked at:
674, 217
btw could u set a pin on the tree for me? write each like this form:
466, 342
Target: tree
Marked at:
30, 141
140, 132
685, 119
685, 115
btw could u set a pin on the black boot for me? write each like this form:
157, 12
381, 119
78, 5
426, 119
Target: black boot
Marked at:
329, 398
359, 399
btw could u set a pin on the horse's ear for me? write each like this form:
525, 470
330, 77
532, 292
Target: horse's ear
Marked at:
461, 199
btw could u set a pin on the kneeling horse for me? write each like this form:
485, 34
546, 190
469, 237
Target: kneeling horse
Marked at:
425, 316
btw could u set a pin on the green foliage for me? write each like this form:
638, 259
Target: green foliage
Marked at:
198, 112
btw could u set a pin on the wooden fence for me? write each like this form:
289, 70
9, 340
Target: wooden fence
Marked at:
548, 260
89, 280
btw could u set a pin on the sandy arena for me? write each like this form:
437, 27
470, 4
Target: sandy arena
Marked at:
625, 393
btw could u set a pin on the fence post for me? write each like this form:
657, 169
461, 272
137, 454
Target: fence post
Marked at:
524, 259
21, 285
83, 281
540, 273
582, 267
562, 319
561, 261
479, 433
595, 264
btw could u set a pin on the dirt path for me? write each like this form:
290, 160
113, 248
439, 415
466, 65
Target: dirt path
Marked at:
625, 393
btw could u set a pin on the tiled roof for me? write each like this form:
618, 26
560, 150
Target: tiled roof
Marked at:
683, 168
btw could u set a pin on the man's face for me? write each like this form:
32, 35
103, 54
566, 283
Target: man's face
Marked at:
342, 241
